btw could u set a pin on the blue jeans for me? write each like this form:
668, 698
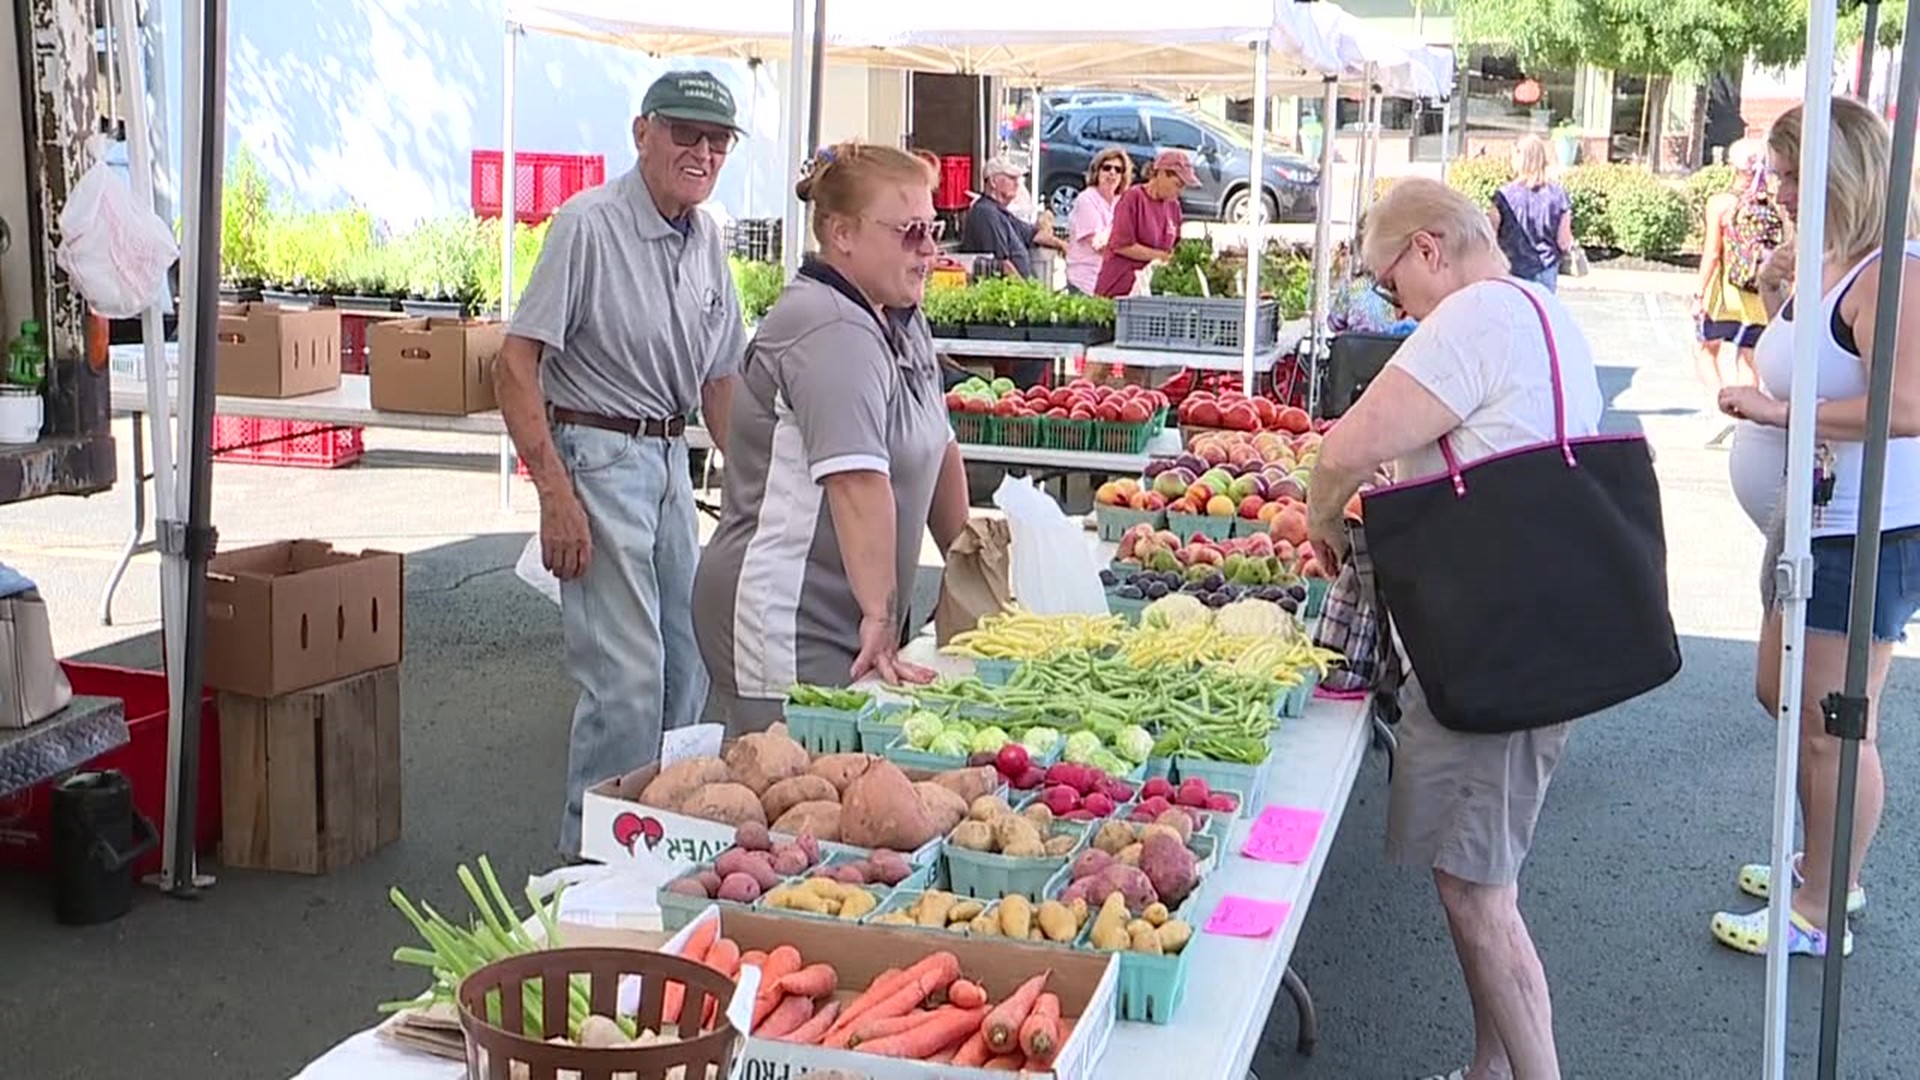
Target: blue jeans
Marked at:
628, 621
1548, 278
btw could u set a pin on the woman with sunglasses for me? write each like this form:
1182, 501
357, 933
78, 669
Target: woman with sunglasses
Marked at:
1090, 224
841, 456
1478, 373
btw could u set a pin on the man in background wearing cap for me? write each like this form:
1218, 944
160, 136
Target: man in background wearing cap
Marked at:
991, 228
1146, 223
629, 323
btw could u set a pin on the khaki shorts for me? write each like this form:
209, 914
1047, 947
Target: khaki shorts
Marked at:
1466, 804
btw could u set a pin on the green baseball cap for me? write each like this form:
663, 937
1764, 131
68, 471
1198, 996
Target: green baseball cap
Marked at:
694, 96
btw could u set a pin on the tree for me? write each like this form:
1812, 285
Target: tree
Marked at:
1656, 38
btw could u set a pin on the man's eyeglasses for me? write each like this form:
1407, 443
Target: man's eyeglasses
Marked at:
914, 234
719, 139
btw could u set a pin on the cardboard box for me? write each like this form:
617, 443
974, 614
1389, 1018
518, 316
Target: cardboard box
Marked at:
618, 829
433, 365
274, 352
1086, 982
282, 617
310, 781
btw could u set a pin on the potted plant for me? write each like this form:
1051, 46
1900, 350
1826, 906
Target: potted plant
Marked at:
997, 312
947, 308
1566, 142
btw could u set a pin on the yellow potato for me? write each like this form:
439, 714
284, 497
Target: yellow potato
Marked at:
932, 909
1057, 921
860, 902
1016, 916
1174, 935
1144, 940
965, 910
1156, 914
985, 925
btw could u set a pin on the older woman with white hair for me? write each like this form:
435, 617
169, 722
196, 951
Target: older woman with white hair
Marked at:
1742, 226
1477, 375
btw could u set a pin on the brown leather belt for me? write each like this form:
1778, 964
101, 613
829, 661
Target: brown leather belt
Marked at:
671, 428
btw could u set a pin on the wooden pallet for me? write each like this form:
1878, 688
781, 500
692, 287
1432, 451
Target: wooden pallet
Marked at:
311, 779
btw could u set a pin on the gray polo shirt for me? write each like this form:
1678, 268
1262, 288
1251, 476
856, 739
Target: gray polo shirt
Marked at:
991, 227
632, 313
826, 388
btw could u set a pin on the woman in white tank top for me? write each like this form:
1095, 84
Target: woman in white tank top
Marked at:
1856, 208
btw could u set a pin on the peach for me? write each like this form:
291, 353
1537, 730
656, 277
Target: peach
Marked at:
1220, 506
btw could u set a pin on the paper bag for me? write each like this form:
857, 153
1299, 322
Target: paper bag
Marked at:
977, 580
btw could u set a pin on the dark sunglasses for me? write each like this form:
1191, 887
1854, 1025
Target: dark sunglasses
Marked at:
719, 140
914, 234
1112, 167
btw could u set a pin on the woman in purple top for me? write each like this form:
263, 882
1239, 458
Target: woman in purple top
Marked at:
1532, 216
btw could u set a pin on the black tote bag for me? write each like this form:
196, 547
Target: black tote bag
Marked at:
1530, 587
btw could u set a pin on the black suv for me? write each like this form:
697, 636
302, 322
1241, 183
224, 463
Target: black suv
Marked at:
1222, 158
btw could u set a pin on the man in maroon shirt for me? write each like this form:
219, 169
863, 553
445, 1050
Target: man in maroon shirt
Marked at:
1146, 223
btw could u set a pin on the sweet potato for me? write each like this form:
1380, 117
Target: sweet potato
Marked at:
1169, 865
795, 790
970, 783
729, 804
762, 760
839, 769
881, 809
943, 806
820, 819
680, 780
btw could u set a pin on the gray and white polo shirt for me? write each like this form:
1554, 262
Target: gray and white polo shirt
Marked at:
634, 314
827, 388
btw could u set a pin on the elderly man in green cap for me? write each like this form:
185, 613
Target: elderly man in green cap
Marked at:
629, 323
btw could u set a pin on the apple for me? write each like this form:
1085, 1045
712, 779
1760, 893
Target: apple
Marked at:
1170, 484
1250, 507
1241, 488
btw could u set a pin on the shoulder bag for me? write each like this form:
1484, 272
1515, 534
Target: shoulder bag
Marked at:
1529, 588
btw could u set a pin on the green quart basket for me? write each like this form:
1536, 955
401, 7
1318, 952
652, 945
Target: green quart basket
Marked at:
1068, 435
1112, 522
1120, 437
822, 730
987, 876
1019, 430
995, 672
880, 726
974, 428
1185, 525
1244, 781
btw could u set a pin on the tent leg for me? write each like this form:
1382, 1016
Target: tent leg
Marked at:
1033, 150
1322, 246
816, 81
1795, 570
509, 193
1256, 224
793, 239
1846, 712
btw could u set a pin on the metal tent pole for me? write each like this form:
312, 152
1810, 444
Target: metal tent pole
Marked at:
509, 216
153, 335
793, 228
1256, 214
1794, 572
1863, 78
1033, 150
1323, 244
206, 115
1846, 712
816, 81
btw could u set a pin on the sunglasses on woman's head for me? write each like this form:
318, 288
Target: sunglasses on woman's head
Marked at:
914, 234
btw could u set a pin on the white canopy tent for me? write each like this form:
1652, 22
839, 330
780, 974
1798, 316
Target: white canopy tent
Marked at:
1205, 42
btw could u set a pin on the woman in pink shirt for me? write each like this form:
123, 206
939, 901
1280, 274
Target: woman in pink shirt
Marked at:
1091, 220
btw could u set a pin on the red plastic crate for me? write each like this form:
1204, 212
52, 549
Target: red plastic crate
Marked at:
295, 443
956, 181
26, 818
541, 182
353, 340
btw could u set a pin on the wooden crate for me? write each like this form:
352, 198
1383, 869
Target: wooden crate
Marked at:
311, 779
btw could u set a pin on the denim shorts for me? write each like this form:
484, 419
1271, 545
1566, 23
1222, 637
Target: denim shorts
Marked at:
1713, 331
1896, 597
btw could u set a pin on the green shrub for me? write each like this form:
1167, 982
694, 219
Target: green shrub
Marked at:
1704, 184
1591, 189
1478, 178
759, 285
1649, 219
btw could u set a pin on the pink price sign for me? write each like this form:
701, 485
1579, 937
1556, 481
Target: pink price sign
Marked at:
1240, 916
1283, 834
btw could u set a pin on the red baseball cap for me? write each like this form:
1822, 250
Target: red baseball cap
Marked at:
1175, 162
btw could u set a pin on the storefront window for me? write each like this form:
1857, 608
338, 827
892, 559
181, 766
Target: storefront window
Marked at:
1499, 97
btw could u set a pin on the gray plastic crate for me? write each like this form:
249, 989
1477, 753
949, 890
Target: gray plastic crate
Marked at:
1192, 323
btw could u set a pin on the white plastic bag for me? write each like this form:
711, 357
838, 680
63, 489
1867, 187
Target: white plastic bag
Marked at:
116, 251
1054, 572
532, 569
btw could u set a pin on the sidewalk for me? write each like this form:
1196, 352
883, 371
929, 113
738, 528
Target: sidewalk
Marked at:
1674, 282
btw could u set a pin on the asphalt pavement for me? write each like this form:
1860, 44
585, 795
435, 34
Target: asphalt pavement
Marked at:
1655, 806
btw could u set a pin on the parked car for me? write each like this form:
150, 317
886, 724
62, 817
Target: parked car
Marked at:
1222, 158
1070, 98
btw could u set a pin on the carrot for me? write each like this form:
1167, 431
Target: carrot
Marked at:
902, 994
1040, 1031
697, 945
967, 994
941, 1030
1003, 1023
871, 1028
786, 1017
753, 958
974, 1051
724, 957
1007, 1063
783, 961
811, 1031
814, 981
